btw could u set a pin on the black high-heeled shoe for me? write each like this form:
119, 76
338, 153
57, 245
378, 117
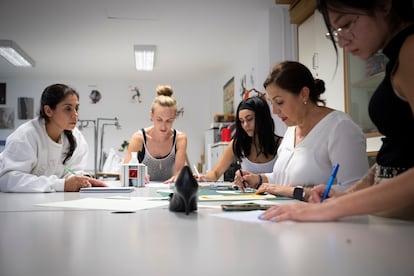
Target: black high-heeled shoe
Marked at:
184, 198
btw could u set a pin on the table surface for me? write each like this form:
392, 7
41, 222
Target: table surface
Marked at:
38, 240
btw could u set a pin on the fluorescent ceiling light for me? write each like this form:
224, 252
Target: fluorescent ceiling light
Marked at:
144, 57
14, 54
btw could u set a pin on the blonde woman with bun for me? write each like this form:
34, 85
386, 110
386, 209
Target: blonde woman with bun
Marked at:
160, 147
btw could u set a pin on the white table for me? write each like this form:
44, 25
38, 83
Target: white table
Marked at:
55, 241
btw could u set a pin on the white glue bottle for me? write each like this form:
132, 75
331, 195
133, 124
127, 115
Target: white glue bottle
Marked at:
137, 172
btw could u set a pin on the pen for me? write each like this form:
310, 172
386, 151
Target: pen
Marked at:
69, 170
330, 182
243, 181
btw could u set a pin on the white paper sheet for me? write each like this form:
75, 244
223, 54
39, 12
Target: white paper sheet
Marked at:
126, 204
248, 216
154, 184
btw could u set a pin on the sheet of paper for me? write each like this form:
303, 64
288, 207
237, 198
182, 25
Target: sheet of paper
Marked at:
248, 216
128, 204
157, 185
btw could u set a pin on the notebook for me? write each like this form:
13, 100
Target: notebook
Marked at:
107, 190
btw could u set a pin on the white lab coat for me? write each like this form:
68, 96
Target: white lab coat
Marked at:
32, 162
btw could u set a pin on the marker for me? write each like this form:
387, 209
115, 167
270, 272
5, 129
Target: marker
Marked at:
69, 170
330, 182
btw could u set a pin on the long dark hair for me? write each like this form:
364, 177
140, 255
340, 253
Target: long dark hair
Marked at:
264, 128
51, 96
292, 76
401, 11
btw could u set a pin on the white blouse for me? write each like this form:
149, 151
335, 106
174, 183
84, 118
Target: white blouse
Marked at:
335, 139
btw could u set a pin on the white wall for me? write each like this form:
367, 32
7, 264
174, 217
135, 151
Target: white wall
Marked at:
201, 98
276, 42
116, 102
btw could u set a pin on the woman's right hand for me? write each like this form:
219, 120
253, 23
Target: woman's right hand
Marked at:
245, 179
201, 177
316, 193
75, 182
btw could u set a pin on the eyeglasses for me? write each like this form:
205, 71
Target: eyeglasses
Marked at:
344, 32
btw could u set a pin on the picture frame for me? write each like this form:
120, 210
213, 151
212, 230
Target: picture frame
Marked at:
6, 118
2, 93
228, 97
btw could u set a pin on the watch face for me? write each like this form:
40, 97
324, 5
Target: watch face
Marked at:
299, 193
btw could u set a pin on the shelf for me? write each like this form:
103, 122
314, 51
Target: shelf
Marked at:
369, 82
221, 124
372, 134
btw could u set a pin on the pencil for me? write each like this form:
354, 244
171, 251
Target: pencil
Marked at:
243, 181
195, 168
69, 170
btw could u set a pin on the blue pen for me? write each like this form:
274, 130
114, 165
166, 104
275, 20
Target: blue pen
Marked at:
330, 182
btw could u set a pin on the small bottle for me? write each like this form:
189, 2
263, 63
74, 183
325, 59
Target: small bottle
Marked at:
134, 159
133, 170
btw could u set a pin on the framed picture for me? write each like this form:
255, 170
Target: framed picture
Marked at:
25, 108
2, 93
228, 97
6, 118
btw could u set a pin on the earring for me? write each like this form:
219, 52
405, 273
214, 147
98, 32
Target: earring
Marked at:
305, 102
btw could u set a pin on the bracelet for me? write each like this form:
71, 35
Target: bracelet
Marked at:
260, 182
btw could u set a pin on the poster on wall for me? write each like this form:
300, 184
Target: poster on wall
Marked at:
2, 93
228, 97
25, 108
6, 118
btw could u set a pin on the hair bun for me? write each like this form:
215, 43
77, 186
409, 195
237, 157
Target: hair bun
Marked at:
319, 86
164, 90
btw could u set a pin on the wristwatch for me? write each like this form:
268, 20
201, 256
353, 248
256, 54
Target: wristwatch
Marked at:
299, 193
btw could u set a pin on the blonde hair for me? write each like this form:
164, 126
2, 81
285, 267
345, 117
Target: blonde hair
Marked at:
164, 97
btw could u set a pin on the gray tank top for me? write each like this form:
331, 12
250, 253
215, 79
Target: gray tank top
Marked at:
159, 169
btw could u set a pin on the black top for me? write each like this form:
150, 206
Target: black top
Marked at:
393, 115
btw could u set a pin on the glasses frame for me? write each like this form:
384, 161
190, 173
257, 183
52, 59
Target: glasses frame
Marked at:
343, 32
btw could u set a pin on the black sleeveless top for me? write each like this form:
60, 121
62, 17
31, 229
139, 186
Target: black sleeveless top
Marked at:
393, 115
141, 153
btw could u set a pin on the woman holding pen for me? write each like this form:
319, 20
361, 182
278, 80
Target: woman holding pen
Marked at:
317, 137
363, 28
43, 154
254, 143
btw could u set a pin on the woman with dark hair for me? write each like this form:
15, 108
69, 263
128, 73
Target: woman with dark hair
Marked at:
316, 139
363, 28
254, 144
42, 154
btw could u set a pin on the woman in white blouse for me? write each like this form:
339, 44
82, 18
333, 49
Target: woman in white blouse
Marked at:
317, 137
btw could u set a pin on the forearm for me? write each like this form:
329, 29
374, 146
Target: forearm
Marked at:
391, 193
366, 181
211, 176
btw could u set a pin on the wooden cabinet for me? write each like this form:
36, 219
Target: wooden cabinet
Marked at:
360, 83
362, 78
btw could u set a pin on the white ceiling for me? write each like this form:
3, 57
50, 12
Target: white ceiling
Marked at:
93, 39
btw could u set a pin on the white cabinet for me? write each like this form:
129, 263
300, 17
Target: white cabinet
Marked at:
210, 138
216, 152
